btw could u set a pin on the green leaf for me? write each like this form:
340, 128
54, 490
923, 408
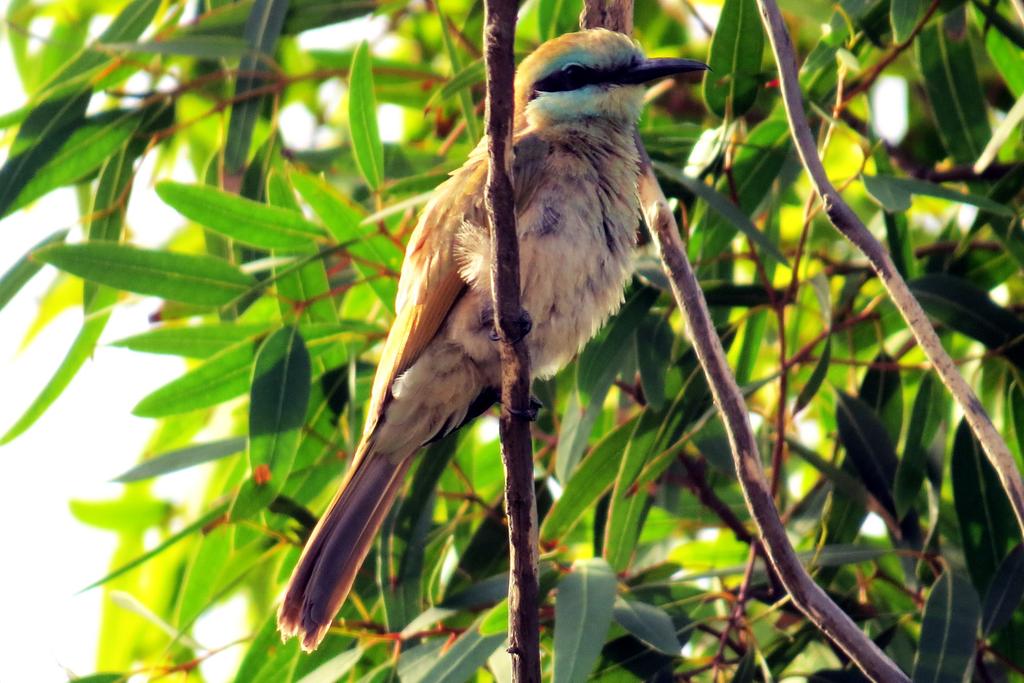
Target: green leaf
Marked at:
262, 28
277, 410
192, 528
1006, 57
730, 87
404, 538
868, 446
362, 118
598, 365
63, 101
894, 194
925, 417
194, 341
945, 651
460, 661
629, 500
957, 100
81, 350
1007, 127
97, 302
51, 123
653, 341
1004, 593
904, 15
335, 668
182, 458
465, 99
555, 17
746, 669
583, 613
304, 293
650, 624
589, 481
986, 519
466, 78
882, 391
83, 152
306, 14
818, 376
726, 209
187, 278
222, 377
265, 647
345, 223
202, 46
129, 514
249, 222
107, 224
890, 196
25, 268
959, 304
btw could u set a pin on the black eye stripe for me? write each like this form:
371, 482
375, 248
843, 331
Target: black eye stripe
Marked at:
575, 76
570, 78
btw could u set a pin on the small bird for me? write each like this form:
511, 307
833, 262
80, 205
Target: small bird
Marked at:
576, 166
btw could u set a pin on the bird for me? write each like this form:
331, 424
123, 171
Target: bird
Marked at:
576, 166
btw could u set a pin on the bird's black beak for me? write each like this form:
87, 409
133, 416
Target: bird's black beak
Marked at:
652, 69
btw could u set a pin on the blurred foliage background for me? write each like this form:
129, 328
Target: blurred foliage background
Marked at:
295, 174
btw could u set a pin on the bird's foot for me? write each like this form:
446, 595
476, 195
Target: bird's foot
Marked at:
518, 328
530, 414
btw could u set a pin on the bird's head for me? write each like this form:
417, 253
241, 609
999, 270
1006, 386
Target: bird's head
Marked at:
593, 74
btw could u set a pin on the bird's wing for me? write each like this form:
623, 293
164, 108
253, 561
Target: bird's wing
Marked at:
430, 283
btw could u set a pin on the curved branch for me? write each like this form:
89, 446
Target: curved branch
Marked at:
516, 454
807, 595
851, 227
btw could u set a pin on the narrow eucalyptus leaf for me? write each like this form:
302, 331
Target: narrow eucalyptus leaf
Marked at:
1004, 593
187, 278
362, 118
583, 613
182, 458
949, 628
730, 87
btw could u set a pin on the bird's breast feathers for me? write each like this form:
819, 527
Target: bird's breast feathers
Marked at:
576, 231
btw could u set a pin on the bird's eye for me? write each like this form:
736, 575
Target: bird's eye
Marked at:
573, 71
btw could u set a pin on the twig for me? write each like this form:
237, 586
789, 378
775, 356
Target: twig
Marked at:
697, 482
872, 75
806, 595
851, 227
516, 456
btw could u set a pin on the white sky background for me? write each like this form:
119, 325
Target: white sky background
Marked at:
89, 435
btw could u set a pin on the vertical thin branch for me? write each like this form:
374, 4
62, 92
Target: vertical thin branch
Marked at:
806, 594
851, 227
510, 324
615, 15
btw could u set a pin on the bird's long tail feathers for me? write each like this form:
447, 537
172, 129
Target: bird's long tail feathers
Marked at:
337, 547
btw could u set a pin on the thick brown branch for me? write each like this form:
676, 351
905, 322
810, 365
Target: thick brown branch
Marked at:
520, 505
849, 224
